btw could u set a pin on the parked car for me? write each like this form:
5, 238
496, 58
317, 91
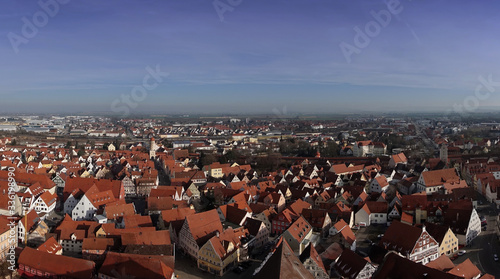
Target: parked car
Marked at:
495, 257
461, 252
380, 236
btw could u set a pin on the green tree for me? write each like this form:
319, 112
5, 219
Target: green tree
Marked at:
330, 150
206, 159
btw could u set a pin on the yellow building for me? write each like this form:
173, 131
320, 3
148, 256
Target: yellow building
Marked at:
5, 232
448, 241
449, 244
222, 252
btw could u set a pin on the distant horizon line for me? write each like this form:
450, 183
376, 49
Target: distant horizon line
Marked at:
289, 115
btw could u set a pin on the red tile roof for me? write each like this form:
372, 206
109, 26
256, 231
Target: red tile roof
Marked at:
466, 270
102, 244
220, 242
349, 264
120, 265
443, 263
298, 206
114, 211
282, 264
48, 198
375, 207
56, 264
401, 237
342, 227
202, 225
50, 246
146, 238
395, 266
299, 229
439, 177
137, 221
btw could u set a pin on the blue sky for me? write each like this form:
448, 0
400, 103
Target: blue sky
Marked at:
266, 55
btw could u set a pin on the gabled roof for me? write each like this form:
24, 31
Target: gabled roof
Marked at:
101, 198
311, 253
50, 246
114, 211
235, 215
382, 181
253, 226
85, 183
399, 158
30, 220
371, 207
438, 232
315, 217
288, 215
298, 206
204, 225
299, 229
439, 177
395, 266
58, 265
349, 264
343, 228
282, 264
102, 244
29, 179
137, 221
121, 265
48, 198
176, 214
443, 263
146, 238
82, 229
411, 202
401, 237
220, 242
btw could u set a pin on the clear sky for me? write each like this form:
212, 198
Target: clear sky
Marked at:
265, 56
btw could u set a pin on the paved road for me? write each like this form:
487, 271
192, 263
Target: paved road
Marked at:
425, 140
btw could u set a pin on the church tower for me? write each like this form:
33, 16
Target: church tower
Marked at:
152, 148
